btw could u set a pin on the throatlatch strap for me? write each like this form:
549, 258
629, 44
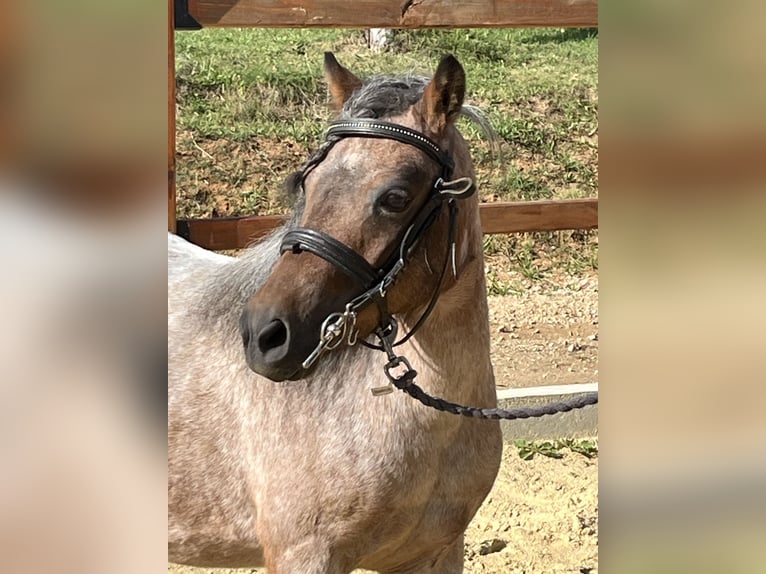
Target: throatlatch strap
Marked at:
332, 251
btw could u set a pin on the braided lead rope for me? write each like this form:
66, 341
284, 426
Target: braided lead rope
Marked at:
406, 382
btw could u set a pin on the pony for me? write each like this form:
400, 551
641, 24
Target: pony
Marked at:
279, 454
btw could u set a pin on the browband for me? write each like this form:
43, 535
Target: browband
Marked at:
385, 130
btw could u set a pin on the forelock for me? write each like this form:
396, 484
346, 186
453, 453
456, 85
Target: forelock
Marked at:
384, 96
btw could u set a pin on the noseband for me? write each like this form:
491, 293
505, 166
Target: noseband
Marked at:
374, 283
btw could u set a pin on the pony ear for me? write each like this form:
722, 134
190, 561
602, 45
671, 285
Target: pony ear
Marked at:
342, 83
443, 97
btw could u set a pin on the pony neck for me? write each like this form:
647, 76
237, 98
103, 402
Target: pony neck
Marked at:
452, 346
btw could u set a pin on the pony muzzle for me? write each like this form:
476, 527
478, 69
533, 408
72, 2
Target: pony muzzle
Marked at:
271, 348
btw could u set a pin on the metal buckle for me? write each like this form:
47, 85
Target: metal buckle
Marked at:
336, 328
393, 364
408, 373
457, 188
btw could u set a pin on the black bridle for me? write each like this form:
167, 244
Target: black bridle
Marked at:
374, 283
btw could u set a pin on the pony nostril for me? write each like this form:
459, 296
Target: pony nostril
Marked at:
272, 336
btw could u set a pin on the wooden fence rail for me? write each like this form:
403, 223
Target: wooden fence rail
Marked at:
234, 233
396, 14
238, 232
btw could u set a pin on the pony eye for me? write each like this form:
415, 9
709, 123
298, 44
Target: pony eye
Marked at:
394, 201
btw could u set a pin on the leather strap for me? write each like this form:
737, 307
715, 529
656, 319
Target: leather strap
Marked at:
386, 130
331, 250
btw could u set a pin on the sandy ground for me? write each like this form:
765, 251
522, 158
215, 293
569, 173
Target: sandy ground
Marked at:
547, 335
540, 518
542, 515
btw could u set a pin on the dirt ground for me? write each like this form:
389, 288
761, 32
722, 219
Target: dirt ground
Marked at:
540, 518
542, 514
547, 335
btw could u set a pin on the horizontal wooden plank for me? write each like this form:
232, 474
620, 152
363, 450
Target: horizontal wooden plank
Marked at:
238, 232
227, 232
518, 216
395, 14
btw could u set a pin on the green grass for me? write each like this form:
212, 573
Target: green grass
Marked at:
552, 449
241, 83
252, 103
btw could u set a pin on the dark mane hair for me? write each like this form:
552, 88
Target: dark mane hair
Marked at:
384, 96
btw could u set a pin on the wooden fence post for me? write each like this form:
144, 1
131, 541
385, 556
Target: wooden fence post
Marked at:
171, 120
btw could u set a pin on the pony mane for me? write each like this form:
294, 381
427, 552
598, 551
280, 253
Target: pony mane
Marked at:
381, 97
384, 96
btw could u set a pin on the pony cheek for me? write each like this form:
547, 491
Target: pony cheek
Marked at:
367, 321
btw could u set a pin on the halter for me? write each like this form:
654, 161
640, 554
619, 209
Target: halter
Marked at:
375, 283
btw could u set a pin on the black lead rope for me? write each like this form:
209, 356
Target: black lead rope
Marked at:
406, 382
419, 394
